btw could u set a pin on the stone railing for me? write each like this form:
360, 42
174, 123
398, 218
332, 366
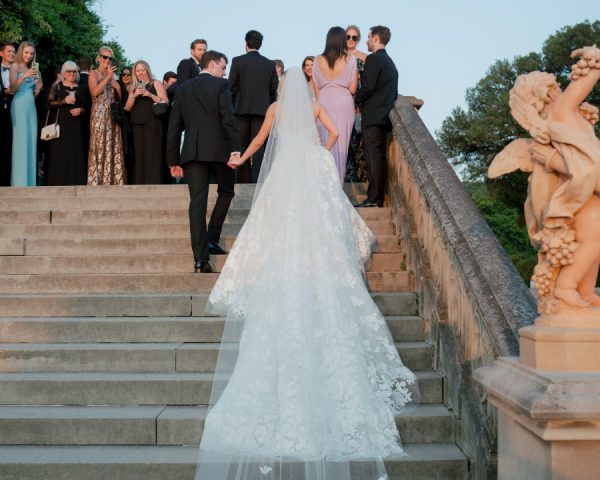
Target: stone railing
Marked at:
470, 294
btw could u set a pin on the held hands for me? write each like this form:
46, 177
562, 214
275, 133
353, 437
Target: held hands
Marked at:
140, 91
235, 160
177, 172
32, 72
70, 100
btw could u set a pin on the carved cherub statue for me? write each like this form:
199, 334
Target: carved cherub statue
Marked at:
562, 210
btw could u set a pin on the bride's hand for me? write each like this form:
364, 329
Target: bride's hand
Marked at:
235, 161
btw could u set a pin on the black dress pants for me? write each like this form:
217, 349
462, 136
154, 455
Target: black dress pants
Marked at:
197, 176
6, 135
375, 139
249, 126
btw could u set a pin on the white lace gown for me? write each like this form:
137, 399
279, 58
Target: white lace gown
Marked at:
309, 378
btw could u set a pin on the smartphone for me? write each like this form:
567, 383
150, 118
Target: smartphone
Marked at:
113, 62
36, 65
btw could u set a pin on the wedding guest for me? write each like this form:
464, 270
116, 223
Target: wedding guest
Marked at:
125, 80
356, 169
66, 160
254, 82
335, 76
376, 97
7, 56
307, 68
26, 84
190, 67
145, 91
169, 78
85, 65
105, 156
279, 67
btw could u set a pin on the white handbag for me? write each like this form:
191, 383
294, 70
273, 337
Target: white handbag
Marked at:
52, 131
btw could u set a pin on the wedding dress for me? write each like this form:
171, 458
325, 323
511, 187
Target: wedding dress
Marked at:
308, 378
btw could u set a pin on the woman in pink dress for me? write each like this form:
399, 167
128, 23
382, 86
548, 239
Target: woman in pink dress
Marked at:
335, 77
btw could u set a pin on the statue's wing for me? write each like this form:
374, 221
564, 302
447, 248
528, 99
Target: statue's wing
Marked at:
515, 156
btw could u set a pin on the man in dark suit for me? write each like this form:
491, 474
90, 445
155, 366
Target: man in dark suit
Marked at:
204, 110
190, 67
85, 65
254, 86
376, 97
7, 56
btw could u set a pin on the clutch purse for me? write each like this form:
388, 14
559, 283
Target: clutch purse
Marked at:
160, 108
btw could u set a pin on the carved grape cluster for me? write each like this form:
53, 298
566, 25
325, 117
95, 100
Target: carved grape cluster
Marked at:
589, 59
589, 112
557, 249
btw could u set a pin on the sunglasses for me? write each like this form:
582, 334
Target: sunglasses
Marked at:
126, 74
352, 37
106, 57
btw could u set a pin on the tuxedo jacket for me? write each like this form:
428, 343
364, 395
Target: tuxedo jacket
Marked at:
203, 109
254, 83
378, 90
186, 70
5, 100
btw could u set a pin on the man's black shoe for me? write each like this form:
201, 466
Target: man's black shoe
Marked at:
216, 249
202, 266
366, 204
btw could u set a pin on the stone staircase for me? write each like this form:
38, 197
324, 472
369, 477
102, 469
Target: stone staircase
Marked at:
106, 354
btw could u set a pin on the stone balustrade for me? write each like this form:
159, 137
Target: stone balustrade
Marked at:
470, 294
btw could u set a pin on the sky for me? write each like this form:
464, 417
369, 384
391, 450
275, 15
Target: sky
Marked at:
440, 47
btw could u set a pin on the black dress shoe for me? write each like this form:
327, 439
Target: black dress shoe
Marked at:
366, 204
202, 266
216, 249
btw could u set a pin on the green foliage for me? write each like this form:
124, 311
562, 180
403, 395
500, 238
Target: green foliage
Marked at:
61, 30
511, 233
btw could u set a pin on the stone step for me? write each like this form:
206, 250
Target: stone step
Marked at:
163, 425
128, 191
121, 283
424, 462
173, 305
136, 388
145, 357
145, 330
161, 263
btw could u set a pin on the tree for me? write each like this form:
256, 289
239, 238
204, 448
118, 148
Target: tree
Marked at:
471, 138
61, 29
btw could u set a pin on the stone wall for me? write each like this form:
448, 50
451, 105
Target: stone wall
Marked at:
470, 294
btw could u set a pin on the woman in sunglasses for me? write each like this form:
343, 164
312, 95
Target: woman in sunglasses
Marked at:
105, 157
356, 167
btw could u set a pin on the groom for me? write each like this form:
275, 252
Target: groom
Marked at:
203, 108
376, 97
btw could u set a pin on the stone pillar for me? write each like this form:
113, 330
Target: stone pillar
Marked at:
548, 401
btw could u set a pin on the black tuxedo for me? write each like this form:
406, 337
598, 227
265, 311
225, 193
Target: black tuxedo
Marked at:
186, 70
254, 85
204, 110
376, 97
5, 136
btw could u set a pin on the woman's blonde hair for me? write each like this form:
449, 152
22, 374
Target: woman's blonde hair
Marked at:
104, 48
354, 27
135, 82
21, 49
69, 66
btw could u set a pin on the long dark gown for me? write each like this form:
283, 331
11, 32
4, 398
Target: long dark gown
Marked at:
67, 159
147, 141
356, 167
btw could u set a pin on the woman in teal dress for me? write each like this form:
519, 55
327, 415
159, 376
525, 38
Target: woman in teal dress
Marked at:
25, 82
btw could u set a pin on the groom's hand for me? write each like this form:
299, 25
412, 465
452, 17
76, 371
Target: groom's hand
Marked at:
177, 172
234, 160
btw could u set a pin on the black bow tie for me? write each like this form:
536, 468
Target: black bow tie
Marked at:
5, 69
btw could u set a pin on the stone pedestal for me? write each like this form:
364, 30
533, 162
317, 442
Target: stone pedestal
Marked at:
549, 402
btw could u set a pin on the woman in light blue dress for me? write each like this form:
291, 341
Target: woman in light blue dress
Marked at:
25, 82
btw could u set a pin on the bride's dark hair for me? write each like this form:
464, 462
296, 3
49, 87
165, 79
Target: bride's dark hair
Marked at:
335, 45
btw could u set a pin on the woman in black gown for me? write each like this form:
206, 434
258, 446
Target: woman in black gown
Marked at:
144, 92
67, 160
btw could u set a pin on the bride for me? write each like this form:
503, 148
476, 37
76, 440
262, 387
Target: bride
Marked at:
308, 379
